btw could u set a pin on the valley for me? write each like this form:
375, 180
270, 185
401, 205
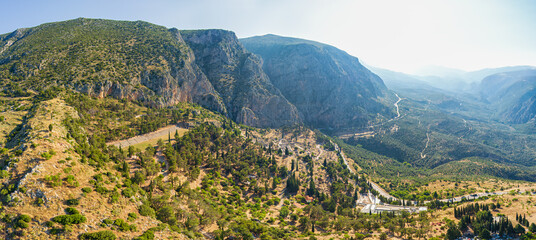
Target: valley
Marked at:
130, 130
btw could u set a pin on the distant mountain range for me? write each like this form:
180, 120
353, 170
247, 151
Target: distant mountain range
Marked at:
272, 81
448, 79
508, 90
300, 81
513, 94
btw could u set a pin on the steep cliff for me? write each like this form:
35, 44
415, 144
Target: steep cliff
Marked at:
146, 63
238, 76
134, 60
328, 86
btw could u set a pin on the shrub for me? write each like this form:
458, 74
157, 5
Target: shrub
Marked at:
73, 201
101, 235
127, 192
147, 235
71, 211
71, 180
69, 219
132, 216
146, 211
48, 155
39, 201
114, 197
124, 226
53, 180
22, 221
101, 190
56, 231
86, 190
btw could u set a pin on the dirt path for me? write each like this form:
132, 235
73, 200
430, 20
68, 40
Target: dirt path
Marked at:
146, 137
426, 146
321, 151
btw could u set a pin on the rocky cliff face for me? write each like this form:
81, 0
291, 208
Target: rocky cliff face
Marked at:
513, 94
300, 80
238, 76
133, 60
329, 87
146, 63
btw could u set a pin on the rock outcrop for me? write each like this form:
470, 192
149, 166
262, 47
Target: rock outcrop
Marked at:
301, 81
328, 86
237, 75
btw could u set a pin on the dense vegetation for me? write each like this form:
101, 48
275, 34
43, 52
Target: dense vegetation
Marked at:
84, 50
480, 219
237, 177
434, 143
215, 175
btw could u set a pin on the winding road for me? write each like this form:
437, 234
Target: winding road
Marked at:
373, 184
385, 194
396, 105
426, 146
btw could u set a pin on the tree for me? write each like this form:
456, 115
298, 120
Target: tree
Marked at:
130, 151
532, 228
453, 233
293, 184
485, 234
284, 212
312, 189
166, 214
519, 229
305, 223
50, 127
383, 236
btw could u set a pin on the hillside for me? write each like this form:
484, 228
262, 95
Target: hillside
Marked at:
61, 179
328, 86
237, 74
141, 62
129, 130
513, 94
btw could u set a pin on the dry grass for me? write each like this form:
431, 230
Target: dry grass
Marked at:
13, 111
32, 169
153, 142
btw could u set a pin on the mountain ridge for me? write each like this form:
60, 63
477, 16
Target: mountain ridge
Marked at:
330, 87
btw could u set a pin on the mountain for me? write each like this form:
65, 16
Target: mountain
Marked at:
513, 94
300, 80
441, 78
398, 80
146, 63
479, 75
133, 60
328, 86
237, 75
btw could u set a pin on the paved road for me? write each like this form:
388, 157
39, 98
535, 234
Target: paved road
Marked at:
373, 184
385, 194
470, 196
396, 105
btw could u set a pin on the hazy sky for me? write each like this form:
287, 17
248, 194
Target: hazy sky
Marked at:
399, 35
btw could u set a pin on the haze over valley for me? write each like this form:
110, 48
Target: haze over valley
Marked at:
205, 122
